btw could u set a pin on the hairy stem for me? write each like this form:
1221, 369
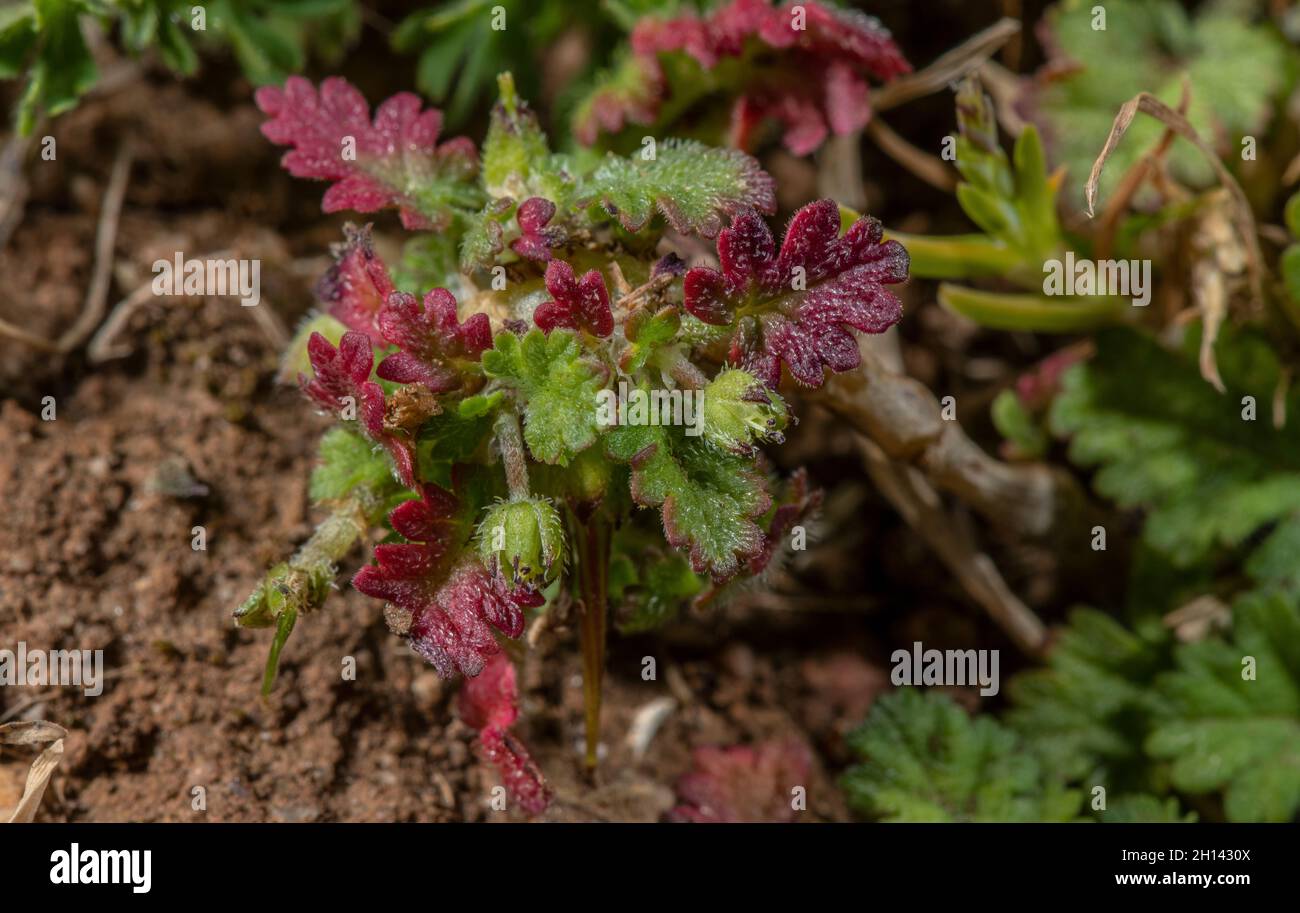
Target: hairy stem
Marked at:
511, 443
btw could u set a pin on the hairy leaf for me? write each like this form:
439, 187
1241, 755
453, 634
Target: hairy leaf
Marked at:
443, 601
797, 306
710, 499
490, 704
394, 161
693, 185
557, 387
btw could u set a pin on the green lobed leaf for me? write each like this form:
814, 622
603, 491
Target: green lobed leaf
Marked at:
648, 585
1164, 440
923, 759
710, 499
1235, 71
348, 461
1142, 809
694, 186
1087, 712
557, 387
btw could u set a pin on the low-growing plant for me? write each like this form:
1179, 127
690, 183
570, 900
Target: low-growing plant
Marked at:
724, 75
563, 391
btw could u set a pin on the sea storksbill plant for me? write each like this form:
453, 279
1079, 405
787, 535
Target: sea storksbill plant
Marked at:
467, 383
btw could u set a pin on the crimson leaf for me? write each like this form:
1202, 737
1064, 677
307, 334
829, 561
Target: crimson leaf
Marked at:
343, 387
433, 341
576, 303
394, 161
796, 305
490, 704
445, 604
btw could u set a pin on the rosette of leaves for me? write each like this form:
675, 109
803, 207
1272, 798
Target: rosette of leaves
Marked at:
725, 75
1101, 55
479, 419
43, 40
923, 759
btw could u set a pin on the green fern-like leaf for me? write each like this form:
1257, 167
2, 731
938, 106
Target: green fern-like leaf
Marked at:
1087, 712
924, 759
1208, 474
1232, 718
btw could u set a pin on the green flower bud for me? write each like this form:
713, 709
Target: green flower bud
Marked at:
524, 539
739, 411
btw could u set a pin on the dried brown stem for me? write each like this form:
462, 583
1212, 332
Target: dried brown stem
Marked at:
907, 489
903, 417
963, 59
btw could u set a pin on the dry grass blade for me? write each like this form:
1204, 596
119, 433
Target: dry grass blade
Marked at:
964, 58
1243, 217
34, 733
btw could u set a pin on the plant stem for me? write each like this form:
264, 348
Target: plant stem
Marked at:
511, 443
300, 584
590, 535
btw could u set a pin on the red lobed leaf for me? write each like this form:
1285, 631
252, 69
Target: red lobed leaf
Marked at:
354, 288
395, 155
448, 604
797, 305
576, 303
342, 380
743, 784
536, 237
490, 704
431, 338
817, 85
